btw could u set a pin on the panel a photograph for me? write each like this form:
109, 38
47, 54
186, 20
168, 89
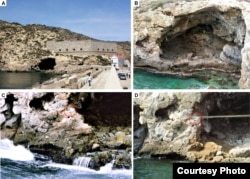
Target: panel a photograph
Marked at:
59, 44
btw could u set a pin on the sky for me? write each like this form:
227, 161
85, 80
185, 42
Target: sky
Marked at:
101, 19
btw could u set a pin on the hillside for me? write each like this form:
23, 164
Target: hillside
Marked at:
22, 47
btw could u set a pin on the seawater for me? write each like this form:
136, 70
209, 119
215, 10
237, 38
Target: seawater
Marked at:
148, 80
22, 80
18, 162
153, 169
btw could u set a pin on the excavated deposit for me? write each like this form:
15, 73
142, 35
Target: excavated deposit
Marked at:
178, 125
181, 37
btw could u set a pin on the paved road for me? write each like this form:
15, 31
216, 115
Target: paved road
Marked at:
107, 79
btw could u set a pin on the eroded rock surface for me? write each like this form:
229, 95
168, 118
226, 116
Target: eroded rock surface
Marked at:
185, 36
176, 124
64, 126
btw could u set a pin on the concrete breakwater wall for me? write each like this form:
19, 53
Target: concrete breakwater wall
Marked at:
72, 81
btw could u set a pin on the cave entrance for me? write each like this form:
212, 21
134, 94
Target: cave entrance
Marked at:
47, 64
228, 121
195, 43
210, 36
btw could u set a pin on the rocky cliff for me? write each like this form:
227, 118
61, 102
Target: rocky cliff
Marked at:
64, 126
177, 125
23, 48
185, 36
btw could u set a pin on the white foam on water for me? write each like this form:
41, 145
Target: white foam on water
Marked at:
82, 161
70, 167
10, 151
107, 169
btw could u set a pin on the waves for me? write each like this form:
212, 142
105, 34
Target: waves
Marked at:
9, 151
19, 162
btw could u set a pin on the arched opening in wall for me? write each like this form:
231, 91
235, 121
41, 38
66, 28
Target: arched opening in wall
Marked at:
226, 119
47, 64
207, 38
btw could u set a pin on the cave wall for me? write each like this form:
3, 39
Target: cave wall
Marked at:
169, 33
104, 109
176, 123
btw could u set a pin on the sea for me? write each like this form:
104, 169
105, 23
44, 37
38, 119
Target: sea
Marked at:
22, 80
17, 162
147, 80
153, 169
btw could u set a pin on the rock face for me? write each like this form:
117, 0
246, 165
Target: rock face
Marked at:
23, 48
184, 36
64, 126
175, 124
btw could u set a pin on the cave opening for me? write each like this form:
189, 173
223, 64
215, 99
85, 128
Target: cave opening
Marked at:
47, 64
163, 113
227, 119
209, 37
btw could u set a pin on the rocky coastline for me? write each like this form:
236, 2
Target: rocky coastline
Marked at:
190, 73
176, 36
70, 126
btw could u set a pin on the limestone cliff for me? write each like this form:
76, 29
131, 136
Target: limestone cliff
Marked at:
176, 124
64, 126
23, 48
185, 36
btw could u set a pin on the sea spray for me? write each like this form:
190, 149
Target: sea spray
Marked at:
107, 168
82, 161
10, 151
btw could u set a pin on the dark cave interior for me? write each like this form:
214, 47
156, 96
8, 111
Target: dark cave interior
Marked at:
47, 64
203, 35
229, 129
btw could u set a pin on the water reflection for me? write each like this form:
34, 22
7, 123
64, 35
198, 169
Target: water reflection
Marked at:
21, 80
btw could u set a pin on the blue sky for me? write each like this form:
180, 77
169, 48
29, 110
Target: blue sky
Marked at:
100, 19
